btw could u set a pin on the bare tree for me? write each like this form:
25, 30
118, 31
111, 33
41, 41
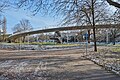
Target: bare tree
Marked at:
79, 12
4, 28
87, 12
101, 35
4, 4
42, 37
115, 19
34, 6
113, 35
23, 25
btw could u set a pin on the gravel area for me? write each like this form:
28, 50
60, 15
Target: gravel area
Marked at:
50, 65
106, 58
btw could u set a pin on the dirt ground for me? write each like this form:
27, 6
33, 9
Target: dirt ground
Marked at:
50, 65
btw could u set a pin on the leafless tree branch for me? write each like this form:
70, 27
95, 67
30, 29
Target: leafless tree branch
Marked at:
113, 3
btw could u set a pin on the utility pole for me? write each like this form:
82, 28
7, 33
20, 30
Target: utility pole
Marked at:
93, 24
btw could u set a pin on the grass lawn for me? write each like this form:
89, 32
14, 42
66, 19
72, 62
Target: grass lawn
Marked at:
42, 43
116, 49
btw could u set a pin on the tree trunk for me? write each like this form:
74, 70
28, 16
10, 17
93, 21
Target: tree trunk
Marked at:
3, 38
95, 46
93, 24
23, 39
88, 36
113, 39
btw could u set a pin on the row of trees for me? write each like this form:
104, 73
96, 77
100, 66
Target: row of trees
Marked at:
79, 12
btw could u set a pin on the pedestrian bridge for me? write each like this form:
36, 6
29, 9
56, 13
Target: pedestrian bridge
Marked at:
25, 33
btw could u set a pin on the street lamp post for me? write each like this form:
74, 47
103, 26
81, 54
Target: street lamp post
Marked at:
86, 42
107, 38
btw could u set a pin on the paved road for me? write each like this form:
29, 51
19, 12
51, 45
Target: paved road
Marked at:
50, 65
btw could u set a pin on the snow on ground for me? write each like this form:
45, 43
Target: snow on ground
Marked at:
50, 65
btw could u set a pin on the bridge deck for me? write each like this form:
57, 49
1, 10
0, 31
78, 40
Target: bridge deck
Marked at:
62, 29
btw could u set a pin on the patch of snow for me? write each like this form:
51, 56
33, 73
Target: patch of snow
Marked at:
6, 63
19, 67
